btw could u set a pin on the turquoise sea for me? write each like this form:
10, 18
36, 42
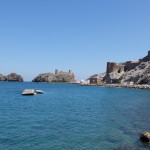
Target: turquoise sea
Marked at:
72, 117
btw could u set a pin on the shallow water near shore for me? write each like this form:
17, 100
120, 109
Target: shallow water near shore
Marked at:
72, 117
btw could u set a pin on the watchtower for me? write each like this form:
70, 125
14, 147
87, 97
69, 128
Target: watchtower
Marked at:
70, 71
56, 71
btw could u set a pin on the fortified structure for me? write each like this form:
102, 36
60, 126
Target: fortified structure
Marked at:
130, 71
147, 58
61, 72
58, 76
114, 67
127, 66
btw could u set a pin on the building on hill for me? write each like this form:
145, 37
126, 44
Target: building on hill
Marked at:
97, 78
128, 71
58, 76
127, 66
114, 67
147, 58
61, 72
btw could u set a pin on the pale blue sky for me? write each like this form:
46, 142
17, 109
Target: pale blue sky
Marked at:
37, 36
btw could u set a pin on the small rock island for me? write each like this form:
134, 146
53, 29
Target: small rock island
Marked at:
11, 77
59, 76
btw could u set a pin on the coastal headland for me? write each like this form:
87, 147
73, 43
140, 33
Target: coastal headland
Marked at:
130, 74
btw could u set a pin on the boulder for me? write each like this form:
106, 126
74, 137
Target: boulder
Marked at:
145, 137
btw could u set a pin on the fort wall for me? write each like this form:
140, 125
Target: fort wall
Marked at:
114, 67
147, 58
129, 65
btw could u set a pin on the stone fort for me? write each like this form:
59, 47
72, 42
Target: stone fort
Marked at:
127, 66
61, 72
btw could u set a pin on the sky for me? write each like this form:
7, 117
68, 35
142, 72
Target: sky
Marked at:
39, 36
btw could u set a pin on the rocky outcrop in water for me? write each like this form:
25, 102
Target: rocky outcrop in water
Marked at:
14, 77
66, 77
11, 77
145, 137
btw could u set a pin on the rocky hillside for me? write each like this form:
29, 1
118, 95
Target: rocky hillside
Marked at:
101, 75
140, 74
50, 77
11, 77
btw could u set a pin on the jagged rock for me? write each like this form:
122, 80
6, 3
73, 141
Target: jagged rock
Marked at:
114, 77
14, 77
139, 75
145, 137
101, 75
59, 77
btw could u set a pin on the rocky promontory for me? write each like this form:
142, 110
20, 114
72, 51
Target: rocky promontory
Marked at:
129, 72
62, 77
126, 74
11, 77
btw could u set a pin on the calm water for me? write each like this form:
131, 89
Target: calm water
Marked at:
71, 117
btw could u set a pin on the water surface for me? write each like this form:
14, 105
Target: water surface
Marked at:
73, 117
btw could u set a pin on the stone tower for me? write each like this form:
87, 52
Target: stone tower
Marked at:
149, 53
147, 58
70, 71
56, 71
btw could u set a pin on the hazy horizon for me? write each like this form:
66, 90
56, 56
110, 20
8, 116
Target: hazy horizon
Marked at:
41, 36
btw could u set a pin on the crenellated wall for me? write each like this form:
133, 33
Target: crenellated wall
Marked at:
129, 65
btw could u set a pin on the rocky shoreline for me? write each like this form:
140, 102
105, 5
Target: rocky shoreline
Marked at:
143, 87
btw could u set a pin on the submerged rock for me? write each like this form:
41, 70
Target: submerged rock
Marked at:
145, 137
